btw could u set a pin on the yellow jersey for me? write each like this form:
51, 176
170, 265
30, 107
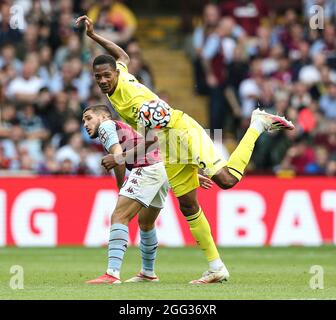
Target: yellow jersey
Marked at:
183, 149
129, 96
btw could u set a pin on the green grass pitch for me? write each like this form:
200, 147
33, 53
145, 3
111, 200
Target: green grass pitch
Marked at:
256, 273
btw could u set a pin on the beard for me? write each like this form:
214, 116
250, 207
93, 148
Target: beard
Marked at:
95, 133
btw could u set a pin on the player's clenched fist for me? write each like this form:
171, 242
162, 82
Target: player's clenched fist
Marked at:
110, 161
88, 24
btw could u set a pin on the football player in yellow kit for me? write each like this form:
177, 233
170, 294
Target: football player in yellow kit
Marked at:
127, 96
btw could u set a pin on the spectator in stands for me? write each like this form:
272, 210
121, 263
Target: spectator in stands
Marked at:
62, 23
281, 33
328, 102
8, 117
13, 146
72, 75
58, 113
137, 66
331, 166
4, 162
300, 96
210, 22
71, 49
247, 13
237, 71
71, 151
31, 42
48, 165
32, 124
268, 96
249, 89
301, 59
311, 74
218, 52
8, 57
261, 45
298, 156
47, 68
283, 75
43, 104
24, 89
36, 11
70, 126
319, 165
327, 136
66, 167
326, 45
25, 160
113, 20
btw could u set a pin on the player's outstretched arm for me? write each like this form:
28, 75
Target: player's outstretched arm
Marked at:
114, 50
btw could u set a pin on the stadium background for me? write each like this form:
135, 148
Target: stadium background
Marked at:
50, 174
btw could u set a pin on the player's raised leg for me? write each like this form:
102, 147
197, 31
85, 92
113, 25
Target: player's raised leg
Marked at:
148, 245
261, 121
126, 209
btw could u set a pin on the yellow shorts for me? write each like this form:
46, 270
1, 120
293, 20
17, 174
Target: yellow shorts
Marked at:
186, 147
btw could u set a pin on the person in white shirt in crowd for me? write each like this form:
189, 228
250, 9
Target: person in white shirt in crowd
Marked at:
25, 88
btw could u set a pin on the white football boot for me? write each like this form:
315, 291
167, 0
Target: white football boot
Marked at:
212, 276
140, 277
271, 122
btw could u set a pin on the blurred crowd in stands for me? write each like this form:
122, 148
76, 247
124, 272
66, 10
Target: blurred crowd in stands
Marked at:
46, 81
243, 54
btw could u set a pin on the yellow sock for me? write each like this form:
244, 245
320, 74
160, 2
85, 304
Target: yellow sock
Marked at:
240, 158
200, 229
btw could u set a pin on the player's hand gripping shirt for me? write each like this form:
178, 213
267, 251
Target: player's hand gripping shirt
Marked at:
112, 132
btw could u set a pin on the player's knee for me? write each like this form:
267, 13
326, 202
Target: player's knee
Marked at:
119, 216
189, 208
227, 184
225, 180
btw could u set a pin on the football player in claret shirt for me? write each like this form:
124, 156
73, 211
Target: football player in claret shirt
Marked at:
127, 97
143, 193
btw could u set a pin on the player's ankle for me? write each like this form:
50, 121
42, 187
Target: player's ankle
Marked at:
216, 264
114, 273
148, 273
258, 126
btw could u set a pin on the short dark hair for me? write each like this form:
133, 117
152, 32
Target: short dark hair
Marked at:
98, 109
105, 59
